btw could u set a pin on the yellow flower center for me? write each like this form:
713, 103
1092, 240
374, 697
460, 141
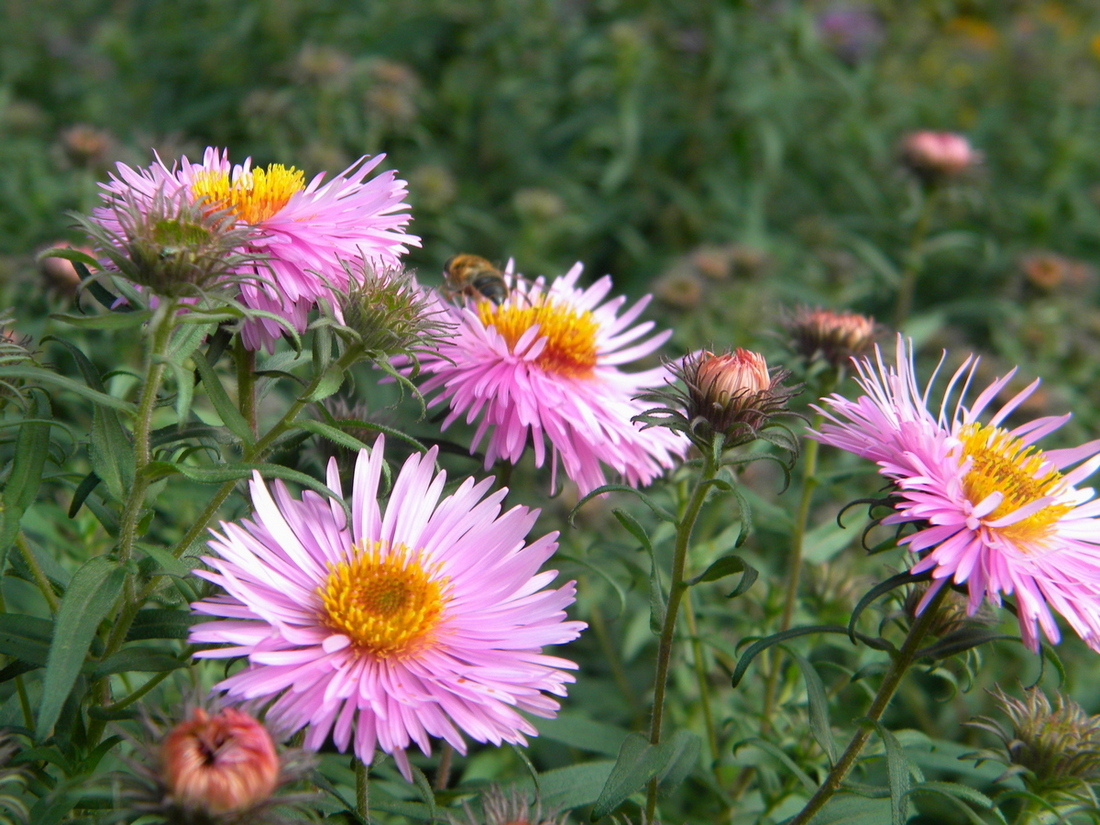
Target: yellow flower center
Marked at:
1002, 464
570, 334
384, 599
254, 196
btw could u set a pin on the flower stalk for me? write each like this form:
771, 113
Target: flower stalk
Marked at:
899, 665
678, 586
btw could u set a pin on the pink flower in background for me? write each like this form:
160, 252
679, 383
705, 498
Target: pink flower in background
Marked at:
302, 230
422, 618
937, 156
544, 365
993, 511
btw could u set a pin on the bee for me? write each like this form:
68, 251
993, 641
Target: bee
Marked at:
474, 277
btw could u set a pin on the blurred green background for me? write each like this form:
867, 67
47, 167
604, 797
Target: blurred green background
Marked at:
734, 157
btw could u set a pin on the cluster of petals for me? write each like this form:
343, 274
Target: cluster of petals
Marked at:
1015, 524
306, 243
521, 400
478, 668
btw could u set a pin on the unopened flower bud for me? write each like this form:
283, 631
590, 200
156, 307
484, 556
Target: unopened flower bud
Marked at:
938, 156
515, 808
388, 314
172, 246
830, 336
733, 394
1058, 745
220, 764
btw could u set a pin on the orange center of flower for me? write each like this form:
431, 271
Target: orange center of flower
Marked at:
570, 334
1001, 463
384, 599
254, 196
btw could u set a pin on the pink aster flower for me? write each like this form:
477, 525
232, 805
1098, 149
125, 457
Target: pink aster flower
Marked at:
419, 619
544, 364
993, 511
302, 230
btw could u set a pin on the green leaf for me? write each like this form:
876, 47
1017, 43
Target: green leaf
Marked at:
38, 375
90, 595
880, 589
330, 381
634, 527
818, 705
225, 408
658, 511
960, 794
161, 623
639, 761
898, 768
849, 809
26, 638
775, 751
728, 566
333, 434
83, 489
763, 644
32, 446
111, 320
137, 660
575, 785
961, 640
582, 732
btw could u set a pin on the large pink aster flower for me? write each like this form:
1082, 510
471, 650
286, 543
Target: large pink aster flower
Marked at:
302, 230
421, 619
544, 364
993, 511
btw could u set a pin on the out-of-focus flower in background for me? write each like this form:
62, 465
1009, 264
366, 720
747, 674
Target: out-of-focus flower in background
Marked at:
937, 157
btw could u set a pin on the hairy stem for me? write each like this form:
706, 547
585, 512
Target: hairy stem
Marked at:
677, 588
900, 663
362, 790
39, 575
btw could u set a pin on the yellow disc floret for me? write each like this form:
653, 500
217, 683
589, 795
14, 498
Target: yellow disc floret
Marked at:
384, 599
570, 333
1001, 463
254, 196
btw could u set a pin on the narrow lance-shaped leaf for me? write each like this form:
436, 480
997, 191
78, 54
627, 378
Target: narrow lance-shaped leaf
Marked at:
91, 593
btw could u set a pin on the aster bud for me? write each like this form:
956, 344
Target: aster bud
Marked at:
387, 313
213, 768
219, 764
732, 394
171, 245
515, 808
936, 157
832, 337
1055, 748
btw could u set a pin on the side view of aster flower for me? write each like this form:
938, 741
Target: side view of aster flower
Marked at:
992, 511
422, 618
544, 365
301, 230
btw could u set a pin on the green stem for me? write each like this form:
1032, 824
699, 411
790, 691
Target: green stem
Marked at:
40, 579
443, 774
162, 324
362, 790
900, 663
246, 383
794, 568
913, 260
677, 588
